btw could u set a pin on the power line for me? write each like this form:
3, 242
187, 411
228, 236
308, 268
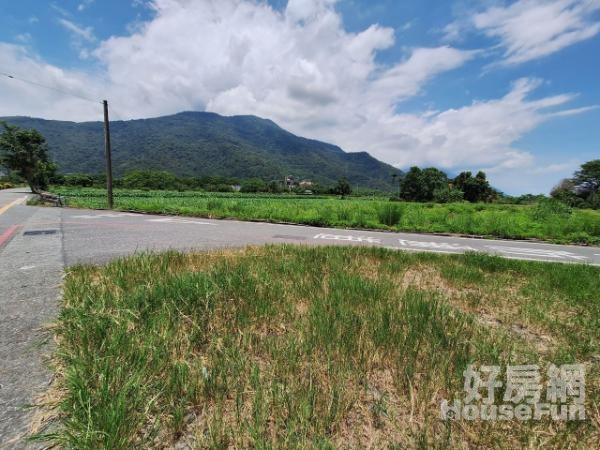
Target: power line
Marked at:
107, 145
35, 83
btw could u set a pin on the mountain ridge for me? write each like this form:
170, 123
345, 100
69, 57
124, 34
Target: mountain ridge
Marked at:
193, 143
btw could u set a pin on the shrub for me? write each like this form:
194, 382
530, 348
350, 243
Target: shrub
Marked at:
78, 179
448, 195
150, 179
389, 214
594, 201
253, 185
549, 207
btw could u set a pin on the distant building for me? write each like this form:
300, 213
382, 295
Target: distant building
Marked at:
306, 184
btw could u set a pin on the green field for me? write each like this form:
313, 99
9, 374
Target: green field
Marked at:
549, 221
295, 347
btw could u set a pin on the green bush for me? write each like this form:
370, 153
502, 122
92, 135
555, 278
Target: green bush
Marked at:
389, 214
550, 207
150, 179
448, 195
78, 179
254, 185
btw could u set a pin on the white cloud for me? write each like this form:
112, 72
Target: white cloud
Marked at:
29, 99
84, 5
77, 31
569, 167
23, 38
60, 10
298, 67
480, 135
531, 29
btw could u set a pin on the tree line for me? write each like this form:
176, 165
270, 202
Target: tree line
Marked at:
163, 180
25, 154
433, 185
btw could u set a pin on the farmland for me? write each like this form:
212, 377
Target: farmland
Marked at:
295, 347
550, 221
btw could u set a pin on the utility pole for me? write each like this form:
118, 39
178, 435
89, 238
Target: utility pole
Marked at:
107, 153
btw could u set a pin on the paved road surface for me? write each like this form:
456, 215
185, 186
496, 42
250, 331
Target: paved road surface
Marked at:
37, 243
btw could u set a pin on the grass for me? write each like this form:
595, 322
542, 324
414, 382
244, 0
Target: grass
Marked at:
492, 220
298, 347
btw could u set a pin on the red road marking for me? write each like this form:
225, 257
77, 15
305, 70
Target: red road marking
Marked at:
4, 237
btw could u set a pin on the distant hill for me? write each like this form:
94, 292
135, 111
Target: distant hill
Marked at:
200, 143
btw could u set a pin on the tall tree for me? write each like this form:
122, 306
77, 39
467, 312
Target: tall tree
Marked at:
476, 188
25, 152
587, 179
343, 187
419, 185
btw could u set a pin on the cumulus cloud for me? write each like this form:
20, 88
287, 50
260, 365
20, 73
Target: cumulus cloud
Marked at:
479, 135
298, 67
27, 98
532, 29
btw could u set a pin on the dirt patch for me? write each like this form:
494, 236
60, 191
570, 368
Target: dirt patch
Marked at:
495, 308
542, 342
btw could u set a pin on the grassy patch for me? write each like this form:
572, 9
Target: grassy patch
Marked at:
504, 221
296, 347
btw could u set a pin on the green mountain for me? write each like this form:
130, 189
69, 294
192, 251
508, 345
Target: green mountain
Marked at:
200, 143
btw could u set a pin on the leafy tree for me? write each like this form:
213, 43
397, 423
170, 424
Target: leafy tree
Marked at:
587, 179
254, 185
583, 190
343, 187
419, 185
411, 186
78, 179
26, 153
565, 192
448, 195
476, 188
220, 188
150, 179
275, 187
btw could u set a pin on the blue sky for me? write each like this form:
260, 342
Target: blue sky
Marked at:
510, 87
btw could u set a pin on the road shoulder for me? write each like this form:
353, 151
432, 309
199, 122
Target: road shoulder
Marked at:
31, 271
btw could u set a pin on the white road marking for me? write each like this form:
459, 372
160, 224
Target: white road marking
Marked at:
556, 254
339, 237
105, 216
435, 245
419, 250
176, 220
26, 267
18, 201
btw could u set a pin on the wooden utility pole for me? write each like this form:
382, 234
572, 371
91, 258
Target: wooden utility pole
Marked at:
107, 153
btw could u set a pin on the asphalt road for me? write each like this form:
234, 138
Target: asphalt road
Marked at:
36, 244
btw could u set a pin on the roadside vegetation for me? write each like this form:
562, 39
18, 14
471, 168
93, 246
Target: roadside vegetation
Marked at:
25, 154
299, 347
547, 219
